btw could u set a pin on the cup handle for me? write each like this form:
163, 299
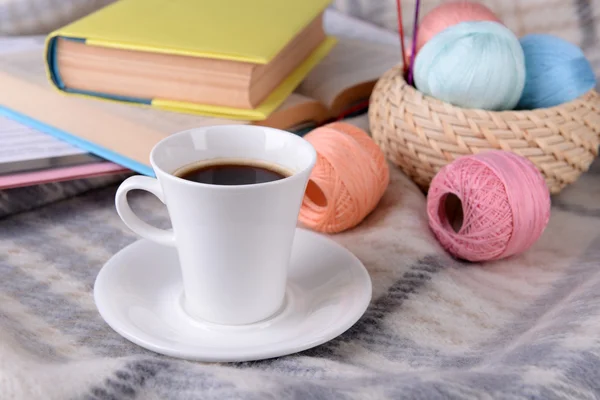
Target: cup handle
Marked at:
130, 219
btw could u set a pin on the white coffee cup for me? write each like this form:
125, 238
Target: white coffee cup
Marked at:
233, 242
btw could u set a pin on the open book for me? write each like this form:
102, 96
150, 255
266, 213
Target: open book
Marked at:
125, 134
344, 78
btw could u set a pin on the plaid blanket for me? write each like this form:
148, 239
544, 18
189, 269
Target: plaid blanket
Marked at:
522, 328
13, 201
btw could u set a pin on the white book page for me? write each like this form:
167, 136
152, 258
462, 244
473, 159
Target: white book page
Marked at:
20, 143
349, 63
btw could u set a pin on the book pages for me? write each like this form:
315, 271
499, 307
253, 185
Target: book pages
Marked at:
296, 112
339, 24
29, 66
350, 63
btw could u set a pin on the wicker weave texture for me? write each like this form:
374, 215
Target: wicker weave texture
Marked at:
421, 134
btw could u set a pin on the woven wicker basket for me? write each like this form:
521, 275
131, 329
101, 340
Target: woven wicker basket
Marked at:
421, 134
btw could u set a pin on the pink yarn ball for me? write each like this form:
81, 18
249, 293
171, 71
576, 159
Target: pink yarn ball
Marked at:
348, 180
488, 206
448, 14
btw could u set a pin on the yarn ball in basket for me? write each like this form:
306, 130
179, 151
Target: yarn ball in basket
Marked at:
448, 14
348, 180
472, 65
488, 206
556, 72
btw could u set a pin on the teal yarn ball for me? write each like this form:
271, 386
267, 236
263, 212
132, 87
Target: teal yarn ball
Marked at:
478, 64
556, 72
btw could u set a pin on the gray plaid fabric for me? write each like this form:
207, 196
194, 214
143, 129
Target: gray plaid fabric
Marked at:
521, 328
13, 201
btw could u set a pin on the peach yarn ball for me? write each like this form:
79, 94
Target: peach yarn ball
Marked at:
449, 14
488, 206
348, 180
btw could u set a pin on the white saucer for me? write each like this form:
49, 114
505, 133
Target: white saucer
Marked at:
138, 292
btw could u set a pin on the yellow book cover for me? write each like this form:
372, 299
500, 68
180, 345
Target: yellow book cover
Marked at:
252, 31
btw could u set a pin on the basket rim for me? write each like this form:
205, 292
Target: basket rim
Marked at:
396, 73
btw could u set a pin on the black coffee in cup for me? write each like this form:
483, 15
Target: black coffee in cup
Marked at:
232, 173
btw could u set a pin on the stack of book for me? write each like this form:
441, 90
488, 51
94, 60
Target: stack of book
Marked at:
108, 87
234, 59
